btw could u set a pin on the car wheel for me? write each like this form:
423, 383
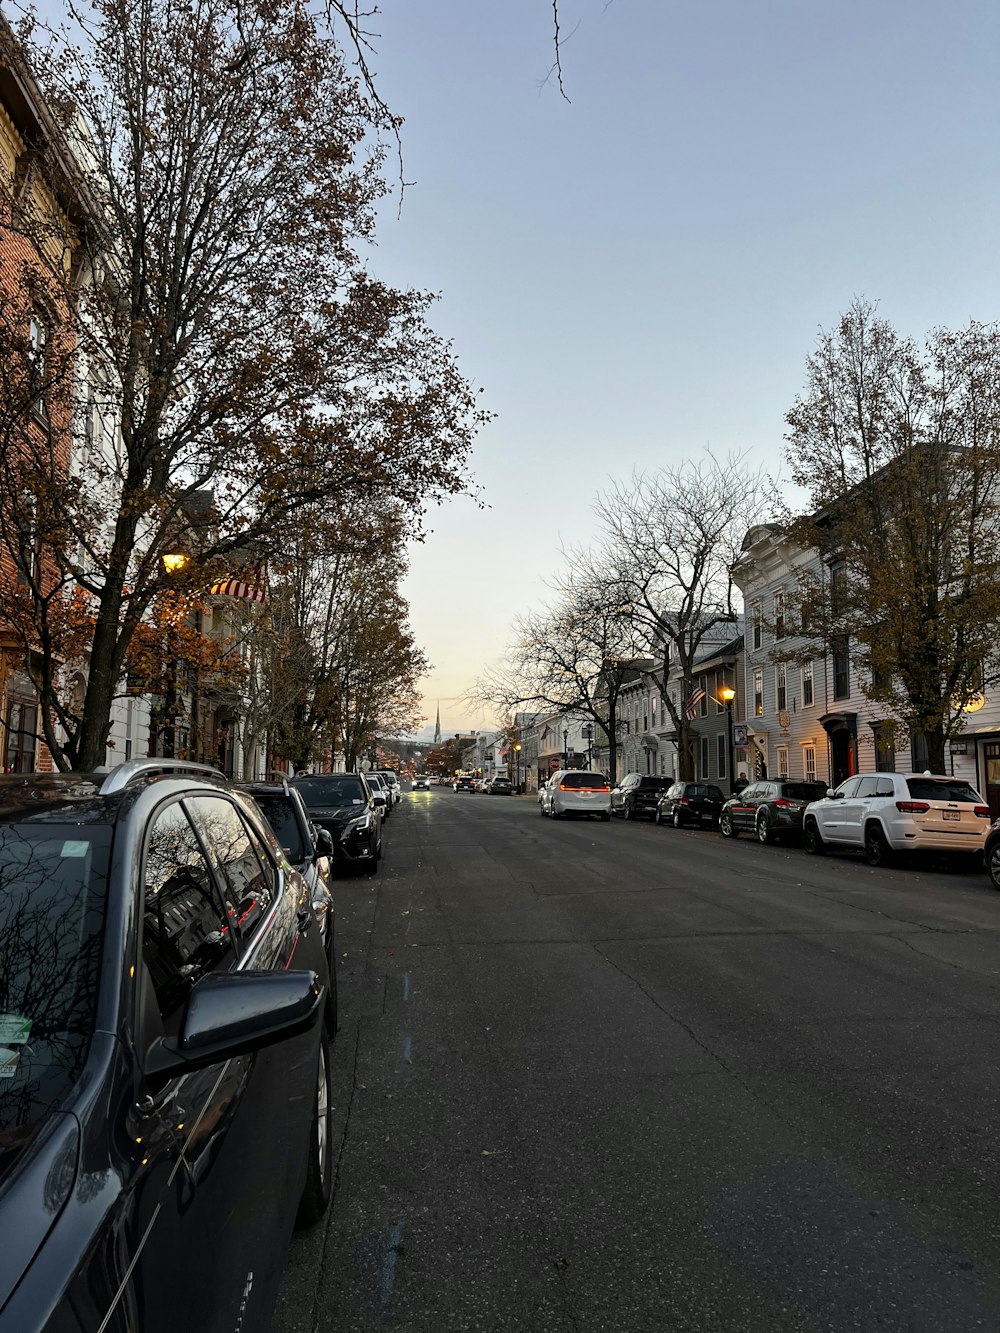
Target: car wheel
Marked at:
541, 809
626, 811
877, 850
319, 1172
993, 864
726, 826
765, 833
812, 840
677, 821
657, 818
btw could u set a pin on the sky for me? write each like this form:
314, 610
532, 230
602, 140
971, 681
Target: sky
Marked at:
642, 271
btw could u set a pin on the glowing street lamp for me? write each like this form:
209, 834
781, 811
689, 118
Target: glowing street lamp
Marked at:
726, 696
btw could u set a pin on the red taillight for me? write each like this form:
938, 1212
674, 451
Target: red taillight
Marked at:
564, 787
783, 803
982, 811
683, 800
913, 807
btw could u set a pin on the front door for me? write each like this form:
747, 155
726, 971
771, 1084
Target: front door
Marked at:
841, 756
991, 758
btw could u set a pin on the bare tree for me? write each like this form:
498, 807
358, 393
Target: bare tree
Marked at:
244, 350
898, 446
673, 536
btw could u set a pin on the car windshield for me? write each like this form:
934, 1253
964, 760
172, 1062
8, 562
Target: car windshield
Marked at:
343, 789
280, 814
53, 888
588, 780
705, 789
942, 789
803, 791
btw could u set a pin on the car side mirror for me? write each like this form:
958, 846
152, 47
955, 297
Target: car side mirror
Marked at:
832, 794
324, 842
235, 1013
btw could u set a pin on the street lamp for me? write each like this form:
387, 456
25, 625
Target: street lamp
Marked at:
517, 767
726, 696
588, 731
165, 715
566, 746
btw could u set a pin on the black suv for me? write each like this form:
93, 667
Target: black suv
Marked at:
344, 804
498, 785
637, 795
690, 803
769, 809
164, 1045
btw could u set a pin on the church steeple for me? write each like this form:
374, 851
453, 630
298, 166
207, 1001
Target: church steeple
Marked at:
437, 725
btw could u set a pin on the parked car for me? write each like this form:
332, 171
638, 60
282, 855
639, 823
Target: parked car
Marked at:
422, 782
886, 813
698, 803
637, 795
390, 779
306, 846
381, 794
165, 1053
464, 782
770, 810
991, 854
345, 804
575, 792
499, 785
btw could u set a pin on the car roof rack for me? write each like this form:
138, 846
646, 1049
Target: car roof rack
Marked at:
119, 778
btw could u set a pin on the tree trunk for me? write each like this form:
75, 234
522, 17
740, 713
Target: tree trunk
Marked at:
935, 739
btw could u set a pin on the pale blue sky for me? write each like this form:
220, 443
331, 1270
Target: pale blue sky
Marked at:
644, 271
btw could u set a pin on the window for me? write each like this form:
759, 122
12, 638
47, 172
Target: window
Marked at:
919, 756
809, 762
243, 868
807, 685
781, 685
838, 587
757, 621
38, 337
722, 757
758, 692
704, 757
720, 680
849, 788
185, 927
19, 751
841, 668
866, 787
781, 754
885, 748
885, 787
779, 615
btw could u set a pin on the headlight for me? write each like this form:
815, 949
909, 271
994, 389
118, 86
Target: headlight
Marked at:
364, 821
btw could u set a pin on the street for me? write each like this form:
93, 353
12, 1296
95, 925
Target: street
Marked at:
620, 1077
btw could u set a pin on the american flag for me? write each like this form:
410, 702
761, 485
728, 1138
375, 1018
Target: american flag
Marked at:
692, 704
251, 588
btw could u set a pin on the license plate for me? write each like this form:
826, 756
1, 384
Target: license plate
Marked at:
951, 814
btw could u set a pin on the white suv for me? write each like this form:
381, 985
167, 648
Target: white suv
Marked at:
571, 791
884, 813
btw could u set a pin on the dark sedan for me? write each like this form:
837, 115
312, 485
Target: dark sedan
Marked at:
344, 804
697, 803
770, 809
637, 795
164, 1054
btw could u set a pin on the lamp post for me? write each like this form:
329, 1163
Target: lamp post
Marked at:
517, 767
588, 731
726, 695
566, 746
174, 563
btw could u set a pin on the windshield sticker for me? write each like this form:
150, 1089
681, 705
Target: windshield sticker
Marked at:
75, 849
14, 1033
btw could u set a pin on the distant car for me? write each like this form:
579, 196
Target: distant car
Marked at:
464, 782
422, 782
576, 792
345, 804
885, 813
498, 785
698, 803
390, 778
165, 1092
991, 854
637, 795
381, 794
770, 809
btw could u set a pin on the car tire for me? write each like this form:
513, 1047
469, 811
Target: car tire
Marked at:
992, 862
726, 826
626, 811
676, 820
319, 1169
877, 850
541, 809
765, 833
657, 818
812, 839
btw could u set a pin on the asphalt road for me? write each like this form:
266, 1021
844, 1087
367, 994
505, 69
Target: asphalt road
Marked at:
617, 1077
